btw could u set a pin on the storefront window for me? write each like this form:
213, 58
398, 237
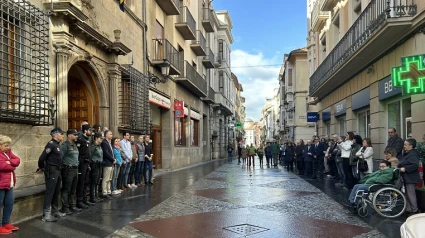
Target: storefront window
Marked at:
399, 117
364, 124
194, 128
179, 131
342, 125
328, 128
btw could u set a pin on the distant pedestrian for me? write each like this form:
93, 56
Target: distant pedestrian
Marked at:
260, 153
148, 166
308, 158
299, 156
117, 169
244, 154
140, 148
229, 153
251, 155
108, 164
289, 157
8, 163
318, 156
365, 154
345, 148
239, 153
275, 152
268, 151
96, 154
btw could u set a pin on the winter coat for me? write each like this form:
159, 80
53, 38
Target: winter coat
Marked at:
396, 143
268, 150
353, 157
251, 150
345, 148
308, 153
410, 162
289, 154
275, 148
337, 154
244, 153
378, 177
8, 170
367, 156
260, 151
299, 152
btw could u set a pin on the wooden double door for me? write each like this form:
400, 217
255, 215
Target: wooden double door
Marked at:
156, 146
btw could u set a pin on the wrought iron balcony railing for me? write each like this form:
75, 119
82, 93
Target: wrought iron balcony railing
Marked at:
191, 79
367, 24
164, 50
186, 24
208, 60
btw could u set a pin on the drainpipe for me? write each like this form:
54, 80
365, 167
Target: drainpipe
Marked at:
145, 40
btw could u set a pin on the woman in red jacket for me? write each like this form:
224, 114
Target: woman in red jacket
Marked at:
8, 164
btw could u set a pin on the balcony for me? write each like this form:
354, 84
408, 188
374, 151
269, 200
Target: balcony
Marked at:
192, 80
208, 19
210, 97
199, 45
165, 51
327, 5
378, 28
186, 24
224, 103
170, 7
208, 60
318, 17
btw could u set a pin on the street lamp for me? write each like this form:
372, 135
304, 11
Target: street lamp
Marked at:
165, 71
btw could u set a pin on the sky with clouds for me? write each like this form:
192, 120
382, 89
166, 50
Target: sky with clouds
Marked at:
263, 32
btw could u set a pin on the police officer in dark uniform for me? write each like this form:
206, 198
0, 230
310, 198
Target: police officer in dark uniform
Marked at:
50, 162
96, 154
69, 172
84, 165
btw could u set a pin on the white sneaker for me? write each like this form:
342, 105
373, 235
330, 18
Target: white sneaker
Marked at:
133, 185
115, 192
129, 185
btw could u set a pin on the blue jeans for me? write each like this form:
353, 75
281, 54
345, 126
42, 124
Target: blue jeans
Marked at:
6, 198
147, 166
230, 156
126, 170
356, 188
138, 171
115, 177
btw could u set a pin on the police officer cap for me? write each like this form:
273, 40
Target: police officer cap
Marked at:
71, 131
56, 130
87, 127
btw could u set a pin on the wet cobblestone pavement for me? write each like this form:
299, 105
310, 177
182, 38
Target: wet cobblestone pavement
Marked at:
221, 200
234, 201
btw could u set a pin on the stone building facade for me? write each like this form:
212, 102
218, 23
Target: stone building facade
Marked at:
90, 61
354, 67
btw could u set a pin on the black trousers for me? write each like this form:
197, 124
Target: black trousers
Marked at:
308, 168
332, 167
290, 165
53, 179
69, 186
96, 167
83, 172
261, 159
120, 180
300, 165
131, 177
318, 168
349, 179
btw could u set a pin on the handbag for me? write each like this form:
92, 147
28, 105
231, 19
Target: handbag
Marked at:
362, 165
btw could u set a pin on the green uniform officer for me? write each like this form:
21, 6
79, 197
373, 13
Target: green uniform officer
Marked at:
69, 172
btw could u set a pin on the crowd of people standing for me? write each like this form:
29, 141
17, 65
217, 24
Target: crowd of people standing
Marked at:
348, 159
91, 165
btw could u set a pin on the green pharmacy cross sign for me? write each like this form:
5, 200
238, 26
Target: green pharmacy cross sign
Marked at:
238, 125
410, 75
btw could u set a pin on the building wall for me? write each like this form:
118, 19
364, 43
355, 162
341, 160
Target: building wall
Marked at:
379, 121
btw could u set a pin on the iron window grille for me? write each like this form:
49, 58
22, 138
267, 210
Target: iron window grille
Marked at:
24, 63
134, 101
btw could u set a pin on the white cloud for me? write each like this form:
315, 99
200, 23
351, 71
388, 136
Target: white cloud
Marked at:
257, 82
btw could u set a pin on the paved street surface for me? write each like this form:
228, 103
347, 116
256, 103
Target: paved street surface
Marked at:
227, 201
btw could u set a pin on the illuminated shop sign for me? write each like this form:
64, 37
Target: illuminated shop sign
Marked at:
410, 76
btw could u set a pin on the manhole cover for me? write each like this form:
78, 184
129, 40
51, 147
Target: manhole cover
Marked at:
246, 229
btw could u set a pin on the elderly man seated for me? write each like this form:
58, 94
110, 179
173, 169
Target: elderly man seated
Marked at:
383, 176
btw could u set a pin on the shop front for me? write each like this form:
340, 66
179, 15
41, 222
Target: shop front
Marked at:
326, 119
159, 107
360, 102
340, 109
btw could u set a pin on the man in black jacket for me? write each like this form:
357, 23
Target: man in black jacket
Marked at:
148, 161
395, 142
84, 165
318, 157
108, 163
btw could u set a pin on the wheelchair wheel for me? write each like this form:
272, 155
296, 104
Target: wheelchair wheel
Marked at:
362, 211
389, 202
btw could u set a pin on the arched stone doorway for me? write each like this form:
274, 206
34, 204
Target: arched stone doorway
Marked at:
83, 98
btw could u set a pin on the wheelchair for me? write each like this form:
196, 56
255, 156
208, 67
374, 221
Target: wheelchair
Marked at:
385, 199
